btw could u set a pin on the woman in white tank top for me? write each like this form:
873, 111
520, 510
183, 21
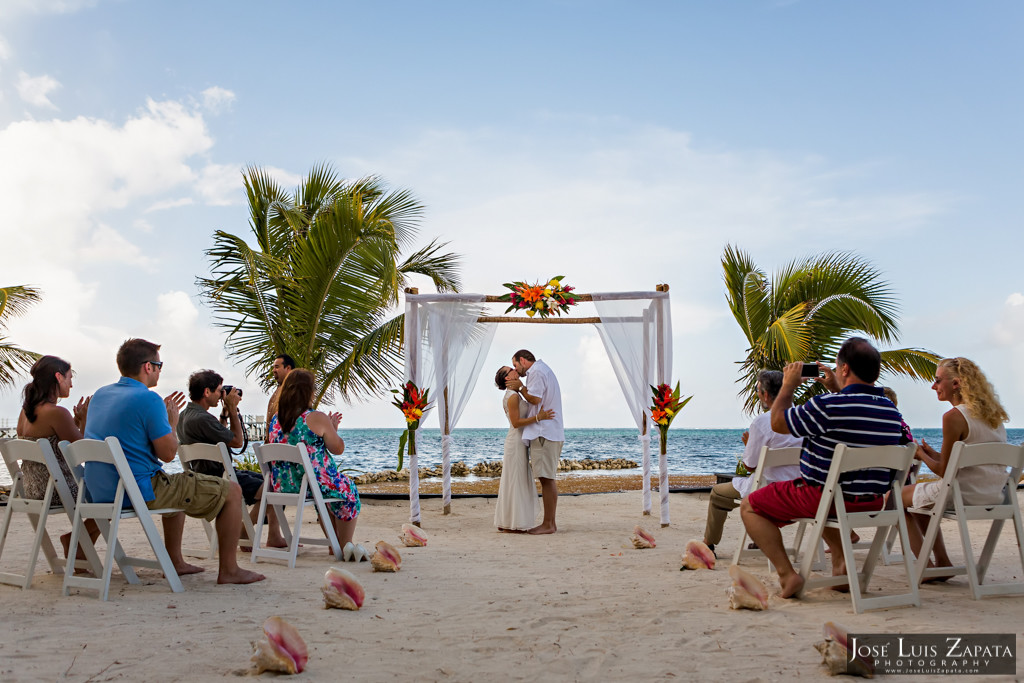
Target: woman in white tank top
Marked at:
977, 416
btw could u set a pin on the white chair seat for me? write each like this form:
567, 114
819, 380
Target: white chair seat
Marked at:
1012, 458
276, 452
108, 517
898, 460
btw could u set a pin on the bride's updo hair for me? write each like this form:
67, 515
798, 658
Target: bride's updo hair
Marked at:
499, 377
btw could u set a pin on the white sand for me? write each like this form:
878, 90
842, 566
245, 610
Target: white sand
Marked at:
474, 605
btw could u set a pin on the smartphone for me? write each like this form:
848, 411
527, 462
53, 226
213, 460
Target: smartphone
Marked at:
810, 370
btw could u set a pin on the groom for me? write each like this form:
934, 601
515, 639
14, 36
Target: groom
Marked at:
544, 437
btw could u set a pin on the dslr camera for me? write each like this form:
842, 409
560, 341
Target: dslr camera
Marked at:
228, 388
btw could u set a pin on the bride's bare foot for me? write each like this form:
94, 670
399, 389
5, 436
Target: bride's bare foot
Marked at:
240, 576
543, 529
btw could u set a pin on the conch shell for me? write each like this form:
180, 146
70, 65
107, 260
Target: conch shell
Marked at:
342, 590
642, 539
413, 536
698, 556
834, 654
746, 591
386, 559
281, 649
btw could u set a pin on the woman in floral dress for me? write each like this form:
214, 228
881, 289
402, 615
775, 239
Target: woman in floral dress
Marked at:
296, 422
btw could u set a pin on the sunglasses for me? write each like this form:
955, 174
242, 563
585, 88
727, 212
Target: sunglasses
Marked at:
158, 364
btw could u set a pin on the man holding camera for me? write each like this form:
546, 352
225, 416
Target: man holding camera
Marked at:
197, 425
855, 413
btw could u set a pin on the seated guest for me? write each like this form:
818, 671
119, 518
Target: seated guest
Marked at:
726, 496
855, 413
297, 422
197, 425
42, 418
977, 416
144, 424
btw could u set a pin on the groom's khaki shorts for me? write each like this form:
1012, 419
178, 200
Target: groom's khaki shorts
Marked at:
544, 456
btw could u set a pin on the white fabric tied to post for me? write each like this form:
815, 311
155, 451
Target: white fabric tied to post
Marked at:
645, 447
636, 330
446, 469
414, 485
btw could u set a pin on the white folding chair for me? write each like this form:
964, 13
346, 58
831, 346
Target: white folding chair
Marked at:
108, 517
277, 452
1006, 455
215, 452
898, 460
16, 451
774, 457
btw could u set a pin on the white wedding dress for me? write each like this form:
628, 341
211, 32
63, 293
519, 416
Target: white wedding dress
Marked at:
517, 506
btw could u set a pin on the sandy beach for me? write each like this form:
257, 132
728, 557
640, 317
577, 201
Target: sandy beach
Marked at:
474, 605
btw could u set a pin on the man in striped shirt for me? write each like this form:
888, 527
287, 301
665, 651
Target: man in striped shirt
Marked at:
857, 414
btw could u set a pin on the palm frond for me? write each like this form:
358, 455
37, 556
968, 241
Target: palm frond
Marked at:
919, 364
15, 300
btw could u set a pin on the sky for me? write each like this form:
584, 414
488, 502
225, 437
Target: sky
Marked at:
621, 145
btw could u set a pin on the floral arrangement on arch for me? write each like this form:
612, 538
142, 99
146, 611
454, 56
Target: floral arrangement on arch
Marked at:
539, 299
413, 403
667, 404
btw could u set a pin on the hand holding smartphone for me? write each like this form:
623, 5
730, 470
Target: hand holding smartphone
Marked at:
810, 370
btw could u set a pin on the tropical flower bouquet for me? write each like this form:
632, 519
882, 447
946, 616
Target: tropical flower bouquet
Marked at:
539, 299
413, 403
667, 405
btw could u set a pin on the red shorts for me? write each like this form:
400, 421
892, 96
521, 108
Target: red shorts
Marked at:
781, 502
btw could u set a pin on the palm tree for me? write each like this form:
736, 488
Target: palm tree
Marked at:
14, 301
805, 312
317, 277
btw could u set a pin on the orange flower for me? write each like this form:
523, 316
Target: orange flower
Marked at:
532, 294
656, 415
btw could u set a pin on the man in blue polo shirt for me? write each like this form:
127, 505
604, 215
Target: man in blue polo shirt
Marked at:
144, 425
856, 413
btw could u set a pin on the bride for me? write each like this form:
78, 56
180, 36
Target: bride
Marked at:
517, 506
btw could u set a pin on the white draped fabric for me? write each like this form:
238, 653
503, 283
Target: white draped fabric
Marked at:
458, 347
415, 325
448, 348
636, 329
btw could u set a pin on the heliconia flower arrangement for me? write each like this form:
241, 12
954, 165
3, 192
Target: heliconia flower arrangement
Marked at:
544, 300
413, 403
667, 404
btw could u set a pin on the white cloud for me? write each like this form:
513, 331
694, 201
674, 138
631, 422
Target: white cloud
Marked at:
1015, 299
12, 8
165, 204
36, 90
221, 184
1009, 330
107, 246
217, 100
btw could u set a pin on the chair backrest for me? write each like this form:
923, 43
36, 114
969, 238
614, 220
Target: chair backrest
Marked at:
88, 450
895, 458
107, 452
282, 452
214, 452
22, 449
972, 455
773, 457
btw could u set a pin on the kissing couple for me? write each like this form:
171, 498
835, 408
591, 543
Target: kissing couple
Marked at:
533, 445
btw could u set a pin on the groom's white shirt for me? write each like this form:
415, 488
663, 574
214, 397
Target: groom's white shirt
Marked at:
540, 381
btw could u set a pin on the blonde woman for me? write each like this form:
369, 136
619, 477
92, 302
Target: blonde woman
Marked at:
977, 416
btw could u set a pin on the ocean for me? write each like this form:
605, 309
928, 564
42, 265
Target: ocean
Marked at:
690, 451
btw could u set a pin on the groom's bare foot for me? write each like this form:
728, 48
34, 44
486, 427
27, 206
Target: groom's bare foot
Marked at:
543, 529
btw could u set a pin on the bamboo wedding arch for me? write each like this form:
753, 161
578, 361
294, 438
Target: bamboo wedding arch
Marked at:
447, 338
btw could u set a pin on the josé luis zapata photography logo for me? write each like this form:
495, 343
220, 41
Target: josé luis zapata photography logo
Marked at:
935, 653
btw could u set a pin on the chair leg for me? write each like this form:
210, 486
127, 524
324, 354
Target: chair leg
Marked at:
989, 548
257, 537
931, 532
972, 569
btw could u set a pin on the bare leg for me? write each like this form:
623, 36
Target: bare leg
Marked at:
229, 527
65, 539
344, 529
769, 539
174, 528
274, 537
549, 495
835, 546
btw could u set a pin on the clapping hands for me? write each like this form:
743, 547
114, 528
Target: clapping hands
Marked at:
175, 402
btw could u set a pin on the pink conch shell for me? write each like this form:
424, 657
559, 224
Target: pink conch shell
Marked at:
413, 536
746, 591
386, 559
834, 653
642, 539
342, 590
281, 649
698, 556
